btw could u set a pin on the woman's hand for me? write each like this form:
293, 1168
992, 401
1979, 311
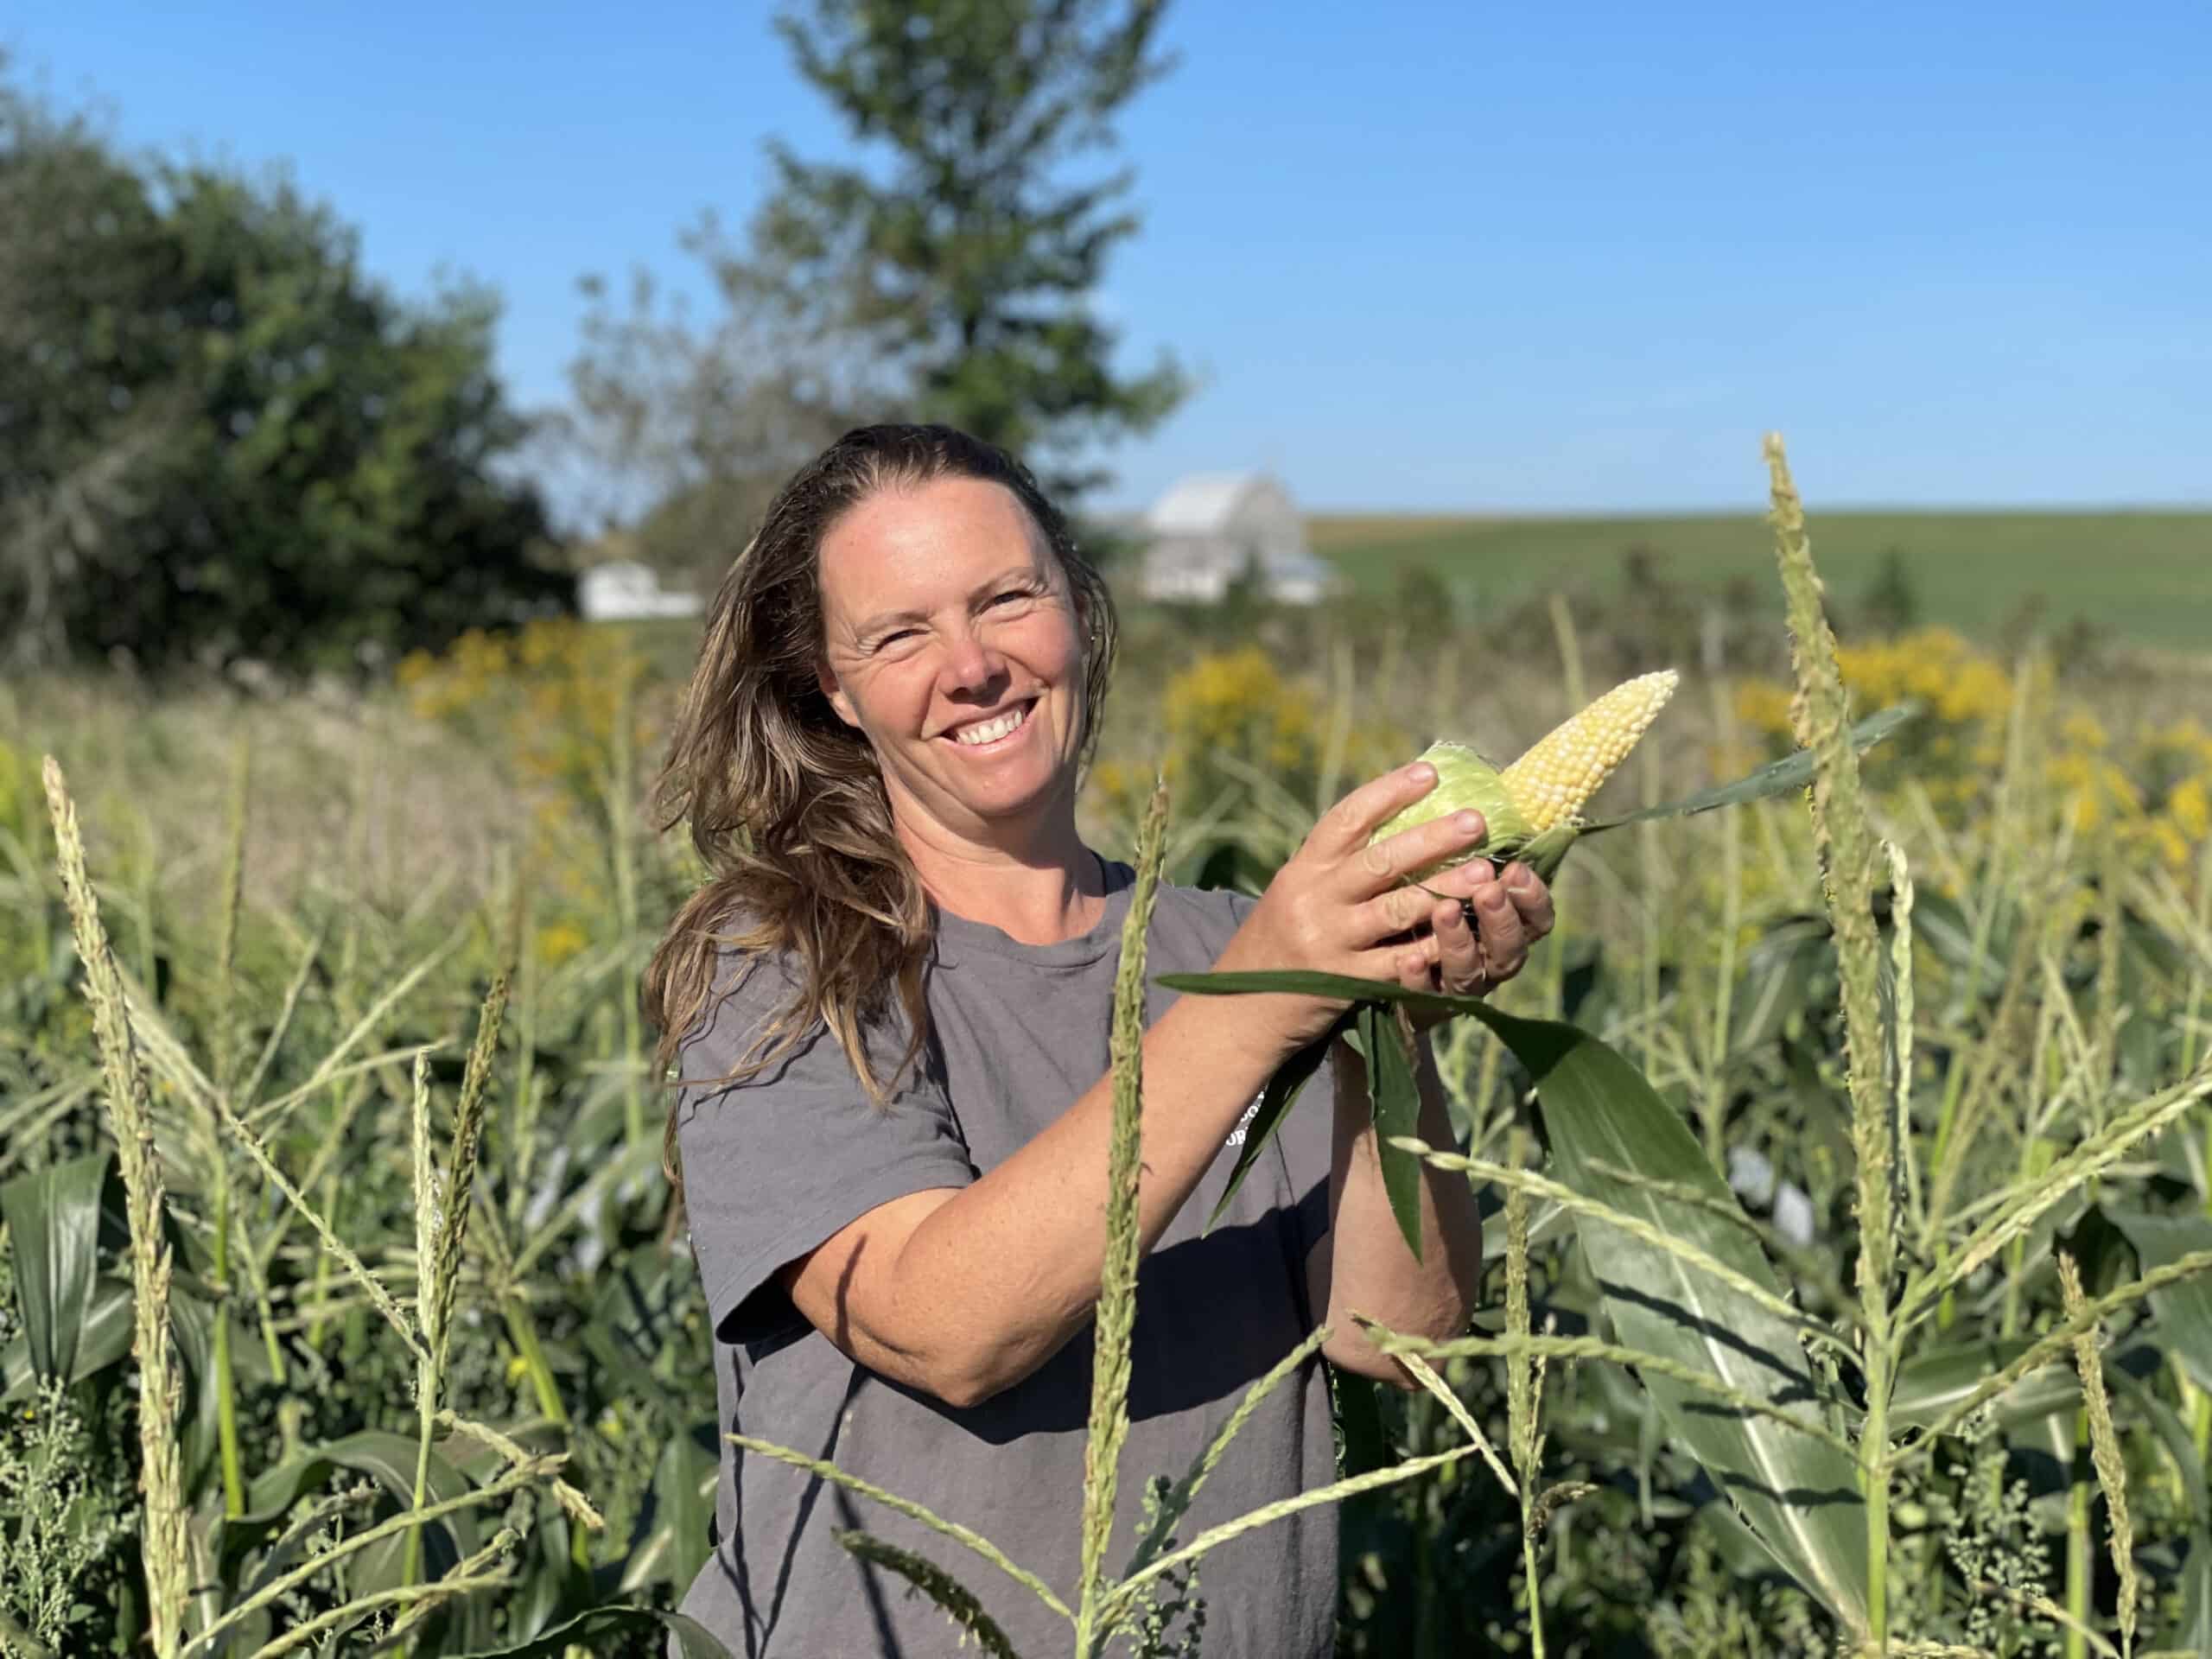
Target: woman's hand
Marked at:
1510, 911
1342, 906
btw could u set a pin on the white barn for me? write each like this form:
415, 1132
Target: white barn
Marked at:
1208, 527
621, 590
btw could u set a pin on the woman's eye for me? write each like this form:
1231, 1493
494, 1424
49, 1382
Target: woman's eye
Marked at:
894, 639
1010, 593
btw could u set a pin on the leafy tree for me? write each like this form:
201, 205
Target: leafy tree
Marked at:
219, 440
949, 279
690, 430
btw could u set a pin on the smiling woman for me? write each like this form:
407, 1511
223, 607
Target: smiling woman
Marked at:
889, 1008
952, 643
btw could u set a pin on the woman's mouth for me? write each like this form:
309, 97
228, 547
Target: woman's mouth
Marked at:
985, 734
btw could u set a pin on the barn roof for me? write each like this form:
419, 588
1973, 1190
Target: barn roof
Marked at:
1200, 503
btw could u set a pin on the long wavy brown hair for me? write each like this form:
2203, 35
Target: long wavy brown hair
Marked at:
786, 803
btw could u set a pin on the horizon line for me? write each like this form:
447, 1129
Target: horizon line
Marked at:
1738, 510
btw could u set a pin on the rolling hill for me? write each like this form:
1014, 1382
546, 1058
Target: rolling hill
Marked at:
2146, 576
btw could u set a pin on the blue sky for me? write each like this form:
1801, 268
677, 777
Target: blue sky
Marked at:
1422, 256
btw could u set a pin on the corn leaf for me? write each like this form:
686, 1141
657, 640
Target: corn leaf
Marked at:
1739, 1549
2183, 1310
2193, 1633
1776, 986
192, 1330
1799, 1494
1275, 1102
1396, 1098
1400, 1169
386, 1459
54, 1223
2166, 1424
683, 1501
1932, 1382
1943, 928
1359, 1416
1775, 778
105, 1331
103, 1339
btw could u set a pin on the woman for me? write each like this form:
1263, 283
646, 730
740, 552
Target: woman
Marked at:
890, 1006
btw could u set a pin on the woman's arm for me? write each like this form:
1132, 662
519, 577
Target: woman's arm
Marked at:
962, 1291
1362, 1265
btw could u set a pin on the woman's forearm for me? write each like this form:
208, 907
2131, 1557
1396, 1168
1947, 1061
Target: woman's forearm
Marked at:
1365, 1267
996, 1279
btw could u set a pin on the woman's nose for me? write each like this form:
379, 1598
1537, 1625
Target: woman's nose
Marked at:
970, 664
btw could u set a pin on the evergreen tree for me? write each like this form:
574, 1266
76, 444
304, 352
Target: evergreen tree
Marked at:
949, 278
973, 262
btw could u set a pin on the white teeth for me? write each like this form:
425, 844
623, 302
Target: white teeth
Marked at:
990, 731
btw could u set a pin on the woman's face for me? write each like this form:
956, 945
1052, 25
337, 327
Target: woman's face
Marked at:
951, 641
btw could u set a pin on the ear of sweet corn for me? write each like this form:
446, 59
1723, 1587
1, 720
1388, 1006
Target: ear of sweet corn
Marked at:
1531, 806
1551, 782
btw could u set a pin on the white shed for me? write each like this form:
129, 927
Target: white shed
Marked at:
620, 591
1209, 527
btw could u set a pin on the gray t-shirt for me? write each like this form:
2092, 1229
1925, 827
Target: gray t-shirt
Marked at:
775, 1165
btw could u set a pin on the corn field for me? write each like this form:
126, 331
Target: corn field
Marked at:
1846, 1158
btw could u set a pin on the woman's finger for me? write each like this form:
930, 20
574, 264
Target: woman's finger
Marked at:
1497, 924
1349, 825
1460, 967
1382, 862
1531, 897
1406, 907
1388, 914
1414, 972
1390, 962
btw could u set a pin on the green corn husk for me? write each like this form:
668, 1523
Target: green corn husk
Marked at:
1464, 778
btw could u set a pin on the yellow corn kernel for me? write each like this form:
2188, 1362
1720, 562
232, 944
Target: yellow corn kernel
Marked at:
1552, 780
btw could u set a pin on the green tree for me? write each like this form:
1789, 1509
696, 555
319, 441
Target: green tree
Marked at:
218, 439
689, 428
974, 261
949, 278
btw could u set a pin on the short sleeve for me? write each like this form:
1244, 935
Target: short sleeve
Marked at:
776, 1163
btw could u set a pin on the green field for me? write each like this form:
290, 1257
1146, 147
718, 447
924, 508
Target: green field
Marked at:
2145, 576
